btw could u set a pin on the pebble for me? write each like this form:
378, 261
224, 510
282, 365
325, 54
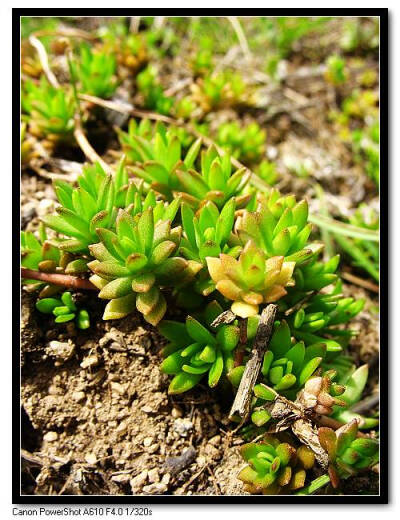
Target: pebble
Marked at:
122, 427
137, 482
182, 426
148, 441
45, 206
90, 458
117, 388
166, 479
121, 479
154, 476
156, 489
28, 211
90, 361
50, 436
153, 448
147, 409
215, 440
176, 412
78, 396
62, 350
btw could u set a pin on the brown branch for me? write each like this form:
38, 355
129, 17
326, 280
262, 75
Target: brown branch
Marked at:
241, 404
87, 148
225, 317
64, 280
366, 284
329, 422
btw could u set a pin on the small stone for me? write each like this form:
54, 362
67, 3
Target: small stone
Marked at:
201, 460
183, 427
176, 412
122, 427
153, 448
61, 350
166, 479
155, 489
78, 396
148, 441
121, 479
137, 482
215, 440
147, 409
154, 476
90, 361
45, 206
50, 436
90, 458
118, 388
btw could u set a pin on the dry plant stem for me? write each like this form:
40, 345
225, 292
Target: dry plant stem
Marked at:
324, 420
64, 280
356, 280
241, 404
237, 27
44, 61
87, 148
225, 317
67, 32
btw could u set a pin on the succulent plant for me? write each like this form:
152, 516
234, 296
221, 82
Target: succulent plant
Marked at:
336, 70
218, 90
347, 453
164, 170
135, 261
194, 351
279, 227
274, 467
267, 171
65, 310
51, 109
354, 383
152, 91
41, 254
246, 144
92, 205
95, 71
251, 280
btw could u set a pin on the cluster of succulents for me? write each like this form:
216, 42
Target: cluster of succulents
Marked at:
51, 110
64, 309
246, 144
174, 225
275, 467
152, 91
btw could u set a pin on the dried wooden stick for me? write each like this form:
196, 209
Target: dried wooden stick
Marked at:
241, 404
44, 61
87, 148
64, 280
356, 280
225, 317
237, 27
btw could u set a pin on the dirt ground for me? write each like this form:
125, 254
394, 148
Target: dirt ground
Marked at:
96, 416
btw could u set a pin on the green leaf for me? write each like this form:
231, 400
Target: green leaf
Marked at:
83, 320
146, 230
228, 337
263, 392
216, 370
68, 301
308, 370
175, 332
260, 417
183, 382
198, 332
47, 305
281, 340
120, 307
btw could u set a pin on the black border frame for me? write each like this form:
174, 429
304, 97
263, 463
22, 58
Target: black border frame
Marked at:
383, 497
